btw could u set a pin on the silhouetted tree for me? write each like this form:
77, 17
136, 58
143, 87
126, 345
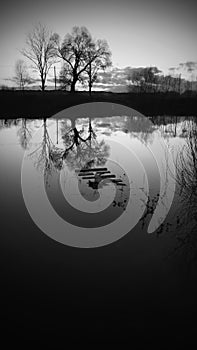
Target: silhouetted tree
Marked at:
146, 79
103, 61
136, 79
21, 77
41, 51
80, 52
65, 77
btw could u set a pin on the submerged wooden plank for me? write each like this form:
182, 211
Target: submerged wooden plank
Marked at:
100, 177
107, 176
103, 172
86, 174
89, 169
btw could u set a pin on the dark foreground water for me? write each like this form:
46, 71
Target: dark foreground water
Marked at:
130, 285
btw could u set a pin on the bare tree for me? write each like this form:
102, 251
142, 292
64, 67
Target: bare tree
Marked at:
79, 52
21, 77
103, 61
41, 51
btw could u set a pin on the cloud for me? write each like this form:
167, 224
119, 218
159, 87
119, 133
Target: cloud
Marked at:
118, 79
122, 75
190, 66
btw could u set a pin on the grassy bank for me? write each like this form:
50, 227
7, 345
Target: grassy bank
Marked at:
38, 104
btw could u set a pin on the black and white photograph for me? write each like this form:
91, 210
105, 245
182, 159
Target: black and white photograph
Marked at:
98, 172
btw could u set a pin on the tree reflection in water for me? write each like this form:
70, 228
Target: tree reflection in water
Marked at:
84, 151
42, 155
24, 134
8, 123
186, 178
81, 149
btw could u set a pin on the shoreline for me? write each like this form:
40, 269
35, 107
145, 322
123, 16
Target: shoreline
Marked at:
36, 104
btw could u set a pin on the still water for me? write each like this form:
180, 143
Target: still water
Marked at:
95, 171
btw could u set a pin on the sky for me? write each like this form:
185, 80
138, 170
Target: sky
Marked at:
139, 32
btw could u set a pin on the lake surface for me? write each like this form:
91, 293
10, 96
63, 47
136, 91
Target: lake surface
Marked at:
96, 172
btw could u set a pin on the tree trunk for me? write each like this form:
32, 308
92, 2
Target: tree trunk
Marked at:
73, 83
43, 85
72, 87
90, 88
90, 79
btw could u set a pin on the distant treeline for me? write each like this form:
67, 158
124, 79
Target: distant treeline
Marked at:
151, 79
86, 62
